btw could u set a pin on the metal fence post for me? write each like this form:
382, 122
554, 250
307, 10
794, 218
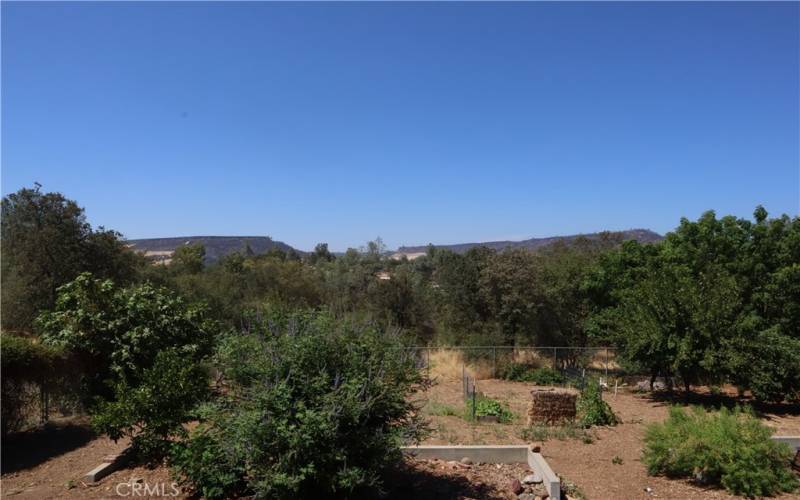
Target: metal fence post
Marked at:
428, 361
555, 358
474, 392
494, 362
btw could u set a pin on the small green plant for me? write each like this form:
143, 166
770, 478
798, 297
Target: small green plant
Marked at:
486, 407
591, 408
522, 372
441, 410
616, 460
572, 490
729, 448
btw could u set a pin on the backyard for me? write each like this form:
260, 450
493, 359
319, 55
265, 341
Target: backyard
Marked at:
596, 463
603, 462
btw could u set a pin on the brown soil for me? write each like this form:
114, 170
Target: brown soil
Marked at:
50, 462
435, 479
591, 466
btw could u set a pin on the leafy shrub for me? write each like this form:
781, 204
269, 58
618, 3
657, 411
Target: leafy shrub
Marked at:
485, 407
152, 410
312, 407
522, 372
204, 461
731, 448
591, 408
143, 348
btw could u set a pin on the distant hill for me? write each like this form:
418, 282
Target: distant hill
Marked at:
216, 246
640, 235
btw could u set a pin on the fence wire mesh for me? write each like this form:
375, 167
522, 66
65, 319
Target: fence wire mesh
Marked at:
483, 362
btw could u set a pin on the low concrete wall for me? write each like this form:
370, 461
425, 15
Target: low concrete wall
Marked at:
510, 454
551, 481
487, 454
792, 441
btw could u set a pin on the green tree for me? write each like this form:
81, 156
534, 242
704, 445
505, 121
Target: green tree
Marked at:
715, 301
189, 258
46, 243
674, 325
320, 254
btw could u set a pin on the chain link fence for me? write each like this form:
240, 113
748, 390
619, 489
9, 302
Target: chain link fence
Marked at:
485, 362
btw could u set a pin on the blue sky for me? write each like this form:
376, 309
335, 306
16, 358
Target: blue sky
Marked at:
422, 122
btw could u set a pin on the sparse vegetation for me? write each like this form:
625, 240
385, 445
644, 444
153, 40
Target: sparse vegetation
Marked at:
440, 409
729, 448
572, 490
560, 432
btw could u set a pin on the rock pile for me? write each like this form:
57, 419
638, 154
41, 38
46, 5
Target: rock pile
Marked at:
551, 406
529, 488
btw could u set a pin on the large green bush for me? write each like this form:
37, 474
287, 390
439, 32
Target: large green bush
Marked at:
312, 408
143, 348
730, 448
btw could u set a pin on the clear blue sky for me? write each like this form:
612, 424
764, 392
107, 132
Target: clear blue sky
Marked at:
417, 122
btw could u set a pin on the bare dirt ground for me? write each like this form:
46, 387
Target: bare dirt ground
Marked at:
49, 463
434, 479
590, 466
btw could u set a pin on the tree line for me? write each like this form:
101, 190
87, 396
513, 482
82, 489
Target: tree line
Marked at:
717, 301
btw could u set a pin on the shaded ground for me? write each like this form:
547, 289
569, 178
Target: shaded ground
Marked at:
434, 479
50, 462
28, 449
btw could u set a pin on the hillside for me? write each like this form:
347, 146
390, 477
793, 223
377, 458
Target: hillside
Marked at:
216, 246
640, 235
